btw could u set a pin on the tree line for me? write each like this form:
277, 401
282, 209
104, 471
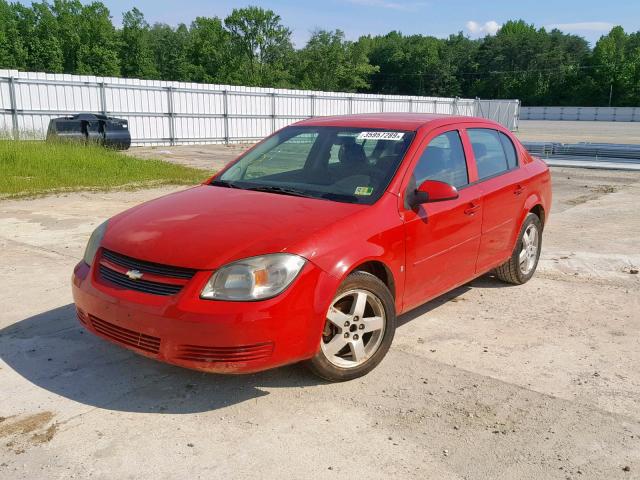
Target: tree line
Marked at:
252, 47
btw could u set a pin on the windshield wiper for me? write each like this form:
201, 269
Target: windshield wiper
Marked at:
224, 183
341, 197
280, 190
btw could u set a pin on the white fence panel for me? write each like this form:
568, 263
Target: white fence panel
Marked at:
591, 114
161, 113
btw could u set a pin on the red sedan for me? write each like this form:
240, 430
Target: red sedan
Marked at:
308, 246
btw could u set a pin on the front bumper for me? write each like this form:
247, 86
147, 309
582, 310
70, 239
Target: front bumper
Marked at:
212, 336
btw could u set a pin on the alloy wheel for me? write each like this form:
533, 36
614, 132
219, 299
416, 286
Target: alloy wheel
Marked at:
529, 253
354, 328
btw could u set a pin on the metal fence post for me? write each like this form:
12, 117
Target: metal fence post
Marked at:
103, 98
172, 126
225, 116
273, 112
313, 105
455, 106
381, 105
14, 108
410, 105
350, 105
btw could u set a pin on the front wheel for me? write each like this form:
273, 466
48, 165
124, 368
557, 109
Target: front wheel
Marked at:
523, 262
358, 330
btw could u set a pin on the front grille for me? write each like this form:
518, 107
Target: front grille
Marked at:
125, 336
145, 286
199, 353
82, 317
148, 267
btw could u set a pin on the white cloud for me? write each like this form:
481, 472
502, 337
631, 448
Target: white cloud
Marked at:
582, 26
405, 6
479, 29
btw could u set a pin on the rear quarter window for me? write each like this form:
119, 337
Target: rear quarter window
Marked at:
509, 151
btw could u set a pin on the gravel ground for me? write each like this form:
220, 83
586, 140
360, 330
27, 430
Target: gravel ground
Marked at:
490, 381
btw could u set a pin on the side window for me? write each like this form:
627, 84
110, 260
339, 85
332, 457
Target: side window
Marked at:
443, 160
489, 152
289, 156
509, 150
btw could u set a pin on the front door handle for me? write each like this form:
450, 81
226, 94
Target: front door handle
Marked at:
472, 209
519, 190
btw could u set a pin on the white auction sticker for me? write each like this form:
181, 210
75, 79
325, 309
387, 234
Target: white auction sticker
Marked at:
381, 136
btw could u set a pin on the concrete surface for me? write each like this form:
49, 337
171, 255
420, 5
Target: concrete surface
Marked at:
207, 157
490, 381
575, 162
571, 132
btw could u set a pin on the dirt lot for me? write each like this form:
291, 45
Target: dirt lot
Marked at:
540, 381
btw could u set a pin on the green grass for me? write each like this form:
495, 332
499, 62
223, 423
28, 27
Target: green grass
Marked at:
30, 168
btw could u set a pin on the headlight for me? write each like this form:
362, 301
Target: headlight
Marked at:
94, 243
254, 278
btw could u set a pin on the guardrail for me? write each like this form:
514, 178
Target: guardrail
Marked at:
161, 113
587, 155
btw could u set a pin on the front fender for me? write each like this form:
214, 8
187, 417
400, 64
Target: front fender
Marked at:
375, 234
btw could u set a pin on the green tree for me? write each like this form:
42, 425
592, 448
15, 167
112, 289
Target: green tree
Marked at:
263, 43
328, 62
12, 50
409, 65
170, 51
69, 15
209, 53
87, 37
136, 54
616, 68
37, 27
98, 52
531, 64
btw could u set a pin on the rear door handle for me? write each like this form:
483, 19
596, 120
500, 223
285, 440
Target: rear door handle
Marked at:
472, 209
519, 190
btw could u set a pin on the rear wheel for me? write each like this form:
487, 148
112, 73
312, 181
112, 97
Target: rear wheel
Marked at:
523, 262
358, 330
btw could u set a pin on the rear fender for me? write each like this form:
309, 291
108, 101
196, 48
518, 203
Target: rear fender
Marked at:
532, 200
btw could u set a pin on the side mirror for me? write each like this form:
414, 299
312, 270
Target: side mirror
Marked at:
431, 191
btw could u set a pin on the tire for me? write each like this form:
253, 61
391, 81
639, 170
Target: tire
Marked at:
351, 344
516, 270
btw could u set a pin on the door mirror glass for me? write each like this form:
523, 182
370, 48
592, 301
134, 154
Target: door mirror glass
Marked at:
431, 191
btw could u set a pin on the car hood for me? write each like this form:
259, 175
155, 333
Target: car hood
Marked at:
208, 226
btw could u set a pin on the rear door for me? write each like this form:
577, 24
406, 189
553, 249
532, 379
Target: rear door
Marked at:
503, 186
442, 239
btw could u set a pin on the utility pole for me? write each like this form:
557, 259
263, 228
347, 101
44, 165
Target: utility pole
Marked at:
610, 93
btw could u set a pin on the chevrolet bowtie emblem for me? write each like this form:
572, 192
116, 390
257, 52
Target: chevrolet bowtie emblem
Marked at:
134, 274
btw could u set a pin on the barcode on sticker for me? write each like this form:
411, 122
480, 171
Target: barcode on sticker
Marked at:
381, 136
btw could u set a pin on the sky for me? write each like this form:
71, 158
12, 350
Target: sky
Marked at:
476, 18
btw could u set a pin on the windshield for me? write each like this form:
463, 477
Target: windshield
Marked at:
336, 163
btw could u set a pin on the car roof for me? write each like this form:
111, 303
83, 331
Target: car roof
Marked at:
394, 121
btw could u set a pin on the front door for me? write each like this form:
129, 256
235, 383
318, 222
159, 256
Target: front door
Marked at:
442, 239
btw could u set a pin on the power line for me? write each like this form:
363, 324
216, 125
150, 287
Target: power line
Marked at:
489, 73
